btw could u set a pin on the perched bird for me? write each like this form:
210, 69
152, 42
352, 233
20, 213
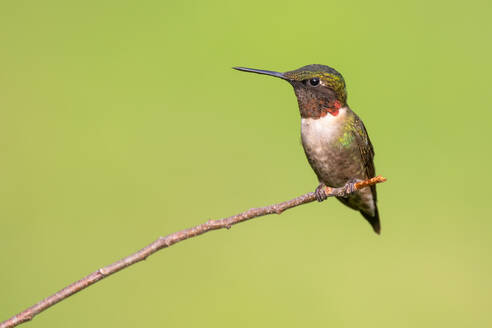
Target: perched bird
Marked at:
334, 138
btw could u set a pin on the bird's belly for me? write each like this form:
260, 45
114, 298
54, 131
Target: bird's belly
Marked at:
334, 162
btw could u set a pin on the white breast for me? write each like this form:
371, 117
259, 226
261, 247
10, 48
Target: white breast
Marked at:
318, 132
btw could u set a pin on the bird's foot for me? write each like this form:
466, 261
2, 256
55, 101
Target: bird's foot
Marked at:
320, 193
350, 187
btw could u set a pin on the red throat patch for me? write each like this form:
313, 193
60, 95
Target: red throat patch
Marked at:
316, 108
335, 110
332, 110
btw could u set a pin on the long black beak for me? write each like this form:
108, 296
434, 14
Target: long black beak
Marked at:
260, 71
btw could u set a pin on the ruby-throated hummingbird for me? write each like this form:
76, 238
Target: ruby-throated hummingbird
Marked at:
333, 136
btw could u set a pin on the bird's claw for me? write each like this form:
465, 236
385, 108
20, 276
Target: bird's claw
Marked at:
320, 193
350, 187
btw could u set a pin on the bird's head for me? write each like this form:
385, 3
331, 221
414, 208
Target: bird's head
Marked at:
319, 89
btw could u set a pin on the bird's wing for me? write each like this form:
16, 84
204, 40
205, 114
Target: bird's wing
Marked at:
366, 149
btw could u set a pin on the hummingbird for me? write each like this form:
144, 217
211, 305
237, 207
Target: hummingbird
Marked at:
334, 138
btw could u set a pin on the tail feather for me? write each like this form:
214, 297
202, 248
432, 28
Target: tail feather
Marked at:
373, 220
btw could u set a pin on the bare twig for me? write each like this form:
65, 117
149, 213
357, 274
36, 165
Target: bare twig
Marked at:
172, 239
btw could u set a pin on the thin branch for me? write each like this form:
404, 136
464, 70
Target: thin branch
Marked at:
174, 238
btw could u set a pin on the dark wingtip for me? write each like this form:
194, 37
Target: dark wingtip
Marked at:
373, 221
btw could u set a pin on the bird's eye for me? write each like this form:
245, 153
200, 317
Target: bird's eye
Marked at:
314, 81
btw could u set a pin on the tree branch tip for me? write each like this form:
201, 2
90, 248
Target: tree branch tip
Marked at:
369, 182
380, 179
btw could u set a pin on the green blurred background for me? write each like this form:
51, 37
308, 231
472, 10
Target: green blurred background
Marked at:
121, 121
